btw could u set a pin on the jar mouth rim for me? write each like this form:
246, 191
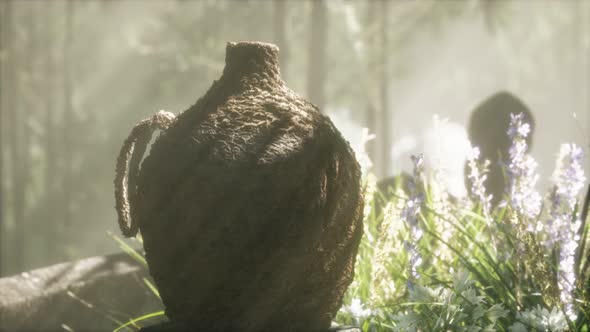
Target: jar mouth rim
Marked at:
239, 51
252, 45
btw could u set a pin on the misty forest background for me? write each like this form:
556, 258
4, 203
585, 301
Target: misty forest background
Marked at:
75, 76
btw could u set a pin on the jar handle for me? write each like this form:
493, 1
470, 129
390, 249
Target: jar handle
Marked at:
128, 168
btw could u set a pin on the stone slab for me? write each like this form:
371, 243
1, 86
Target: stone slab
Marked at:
86, 295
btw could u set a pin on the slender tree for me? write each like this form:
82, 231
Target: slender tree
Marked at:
3, 51
16, 124
50, 133
316, 77
280, 18
385, 122
378, 116
68, 114
29, 97
11, 133
372, 67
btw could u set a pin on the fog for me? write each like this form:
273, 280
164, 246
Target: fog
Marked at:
76, 76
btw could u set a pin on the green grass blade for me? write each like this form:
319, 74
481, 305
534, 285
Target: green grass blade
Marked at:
129, 250
134, 321
152, 287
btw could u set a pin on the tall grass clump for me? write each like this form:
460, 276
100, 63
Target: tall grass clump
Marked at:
433, 262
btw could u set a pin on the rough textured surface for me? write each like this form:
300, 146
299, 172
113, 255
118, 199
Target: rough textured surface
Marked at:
171, 327
487, 130
250, 205
77, 294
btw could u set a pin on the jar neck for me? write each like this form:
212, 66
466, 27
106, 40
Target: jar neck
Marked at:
252, 63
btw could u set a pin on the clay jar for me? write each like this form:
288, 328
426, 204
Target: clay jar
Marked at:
249, 204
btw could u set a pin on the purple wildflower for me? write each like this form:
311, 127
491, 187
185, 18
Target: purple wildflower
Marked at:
410, 216
568, 179
522, 173
477, 176
569, 176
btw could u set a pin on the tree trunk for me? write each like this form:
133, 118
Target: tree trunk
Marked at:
378, 118
280, 17
68, 115
16, 124
29, 96
384, 89
317, 54
372, 104
50, 136
3, 50
11, 135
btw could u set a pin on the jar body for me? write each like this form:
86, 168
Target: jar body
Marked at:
250, 207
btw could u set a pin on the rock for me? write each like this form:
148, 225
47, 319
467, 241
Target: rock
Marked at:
487, 130
76, 294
